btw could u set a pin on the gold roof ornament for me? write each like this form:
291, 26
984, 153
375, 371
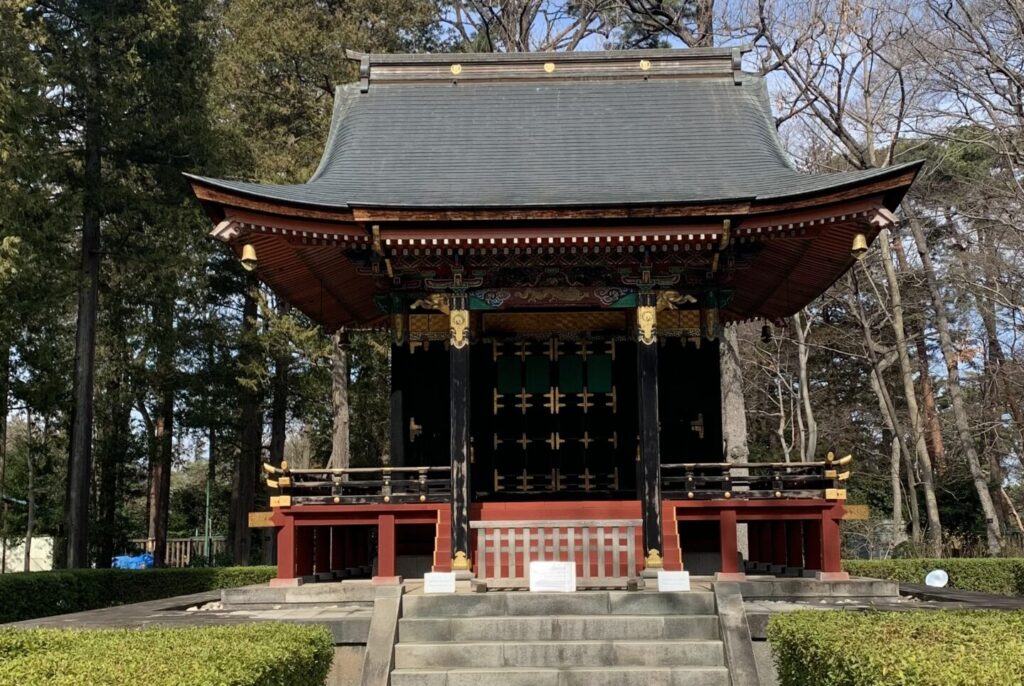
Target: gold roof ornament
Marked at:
645, 65
456, 69
549, 67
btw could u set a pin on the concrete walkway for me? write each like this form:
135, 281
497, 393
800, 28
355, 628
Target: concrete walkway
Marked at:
349, 624
964, 600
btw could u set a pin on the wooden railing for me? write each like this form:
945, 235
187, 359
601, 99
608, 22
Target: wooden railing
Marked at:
604, 550
358, 485
181, 552
756, 480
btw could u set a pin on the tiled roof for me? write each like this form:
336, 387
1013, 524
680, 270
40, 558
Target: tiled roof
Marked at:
691, 134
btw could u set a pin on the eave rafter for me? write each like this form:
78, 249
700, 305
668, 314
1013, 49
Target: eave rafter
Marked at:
793, 250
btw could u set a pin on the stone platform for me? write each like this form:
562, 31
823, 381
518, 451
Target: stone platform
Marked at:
524, 638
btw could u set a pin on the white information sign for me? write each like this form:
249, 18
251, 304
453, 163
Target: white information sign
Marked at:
552, 577
439, 582
673, 581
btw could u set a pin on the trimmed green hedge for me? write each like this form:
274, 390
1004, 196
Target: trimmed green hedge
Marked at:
41, 594
1002, 575
839, 648
244, 655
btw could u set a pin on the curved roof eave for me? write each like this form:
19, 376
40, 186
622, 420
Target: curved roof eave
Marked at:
816, 185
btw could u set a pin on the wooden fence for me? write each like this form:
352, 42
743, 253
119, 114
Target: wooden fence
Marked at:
182, 551
604, 550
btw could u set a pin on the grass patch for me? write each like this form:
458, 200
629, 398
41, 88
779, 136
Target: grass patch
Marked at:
246, 655
41, 594
836, 648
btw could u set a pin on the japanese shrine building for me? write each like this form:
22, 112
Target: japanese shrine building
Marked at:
555, 242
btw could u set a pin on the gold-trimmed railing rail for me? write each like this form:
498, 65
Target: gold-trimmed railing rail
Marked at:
756, 480
358, 485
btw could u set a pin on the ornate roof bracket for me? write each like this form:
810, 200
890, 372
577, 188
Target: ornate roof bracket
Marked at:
225, 230
883, 218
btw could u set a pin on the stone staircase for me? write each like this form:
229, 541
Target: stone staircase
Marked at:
598, 638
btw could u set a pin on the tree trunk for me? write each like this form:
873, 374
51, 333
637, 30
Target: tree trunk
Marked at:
934, 532
933, 428
279, 411
996, 356
115, 454
30, 494
243, 482
159, 485
340, 439
163, 438
278, 430
76, 509
734, 412
5, 387
809, 422
924, 460
895, 465
993, 531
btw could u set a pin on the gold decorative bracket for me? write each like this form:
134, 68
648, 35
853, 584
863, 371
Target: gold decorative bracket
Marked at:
459, 320
646, 320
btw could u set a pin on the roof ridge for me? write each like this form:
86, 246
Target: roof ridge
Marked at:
546, 66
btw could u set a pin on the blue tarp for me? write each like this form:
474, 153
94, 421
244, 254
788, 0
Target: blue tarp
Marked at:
143, 561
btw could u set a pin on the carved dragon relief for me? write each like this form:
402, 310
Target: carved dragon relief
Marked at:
669, 300
434, 301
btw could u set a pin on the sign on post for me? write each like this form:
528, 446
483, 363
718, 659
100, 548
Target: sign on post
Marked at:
439, 582
673, 581
552, 577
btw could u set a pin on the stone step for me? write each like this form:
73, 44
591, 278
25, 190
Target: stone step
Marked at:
548, 604
558, 628
559, 654
603, 676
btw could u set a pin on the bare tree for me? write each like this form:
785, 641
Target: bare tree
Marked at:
526, 25
963, 424
340, 443
809, 446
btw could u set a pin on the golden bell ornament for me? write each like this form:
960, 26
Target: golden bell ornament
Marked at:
860, 246
248, 257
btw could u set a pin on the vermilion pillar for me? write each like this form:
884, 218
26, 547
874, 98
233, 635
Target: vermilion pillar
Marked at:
780, 546
795, 542
286, 550
754, 541
765, 537
812, 544
831, 561
386, 545
727, 542
337, 548
322, 549
303, 551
